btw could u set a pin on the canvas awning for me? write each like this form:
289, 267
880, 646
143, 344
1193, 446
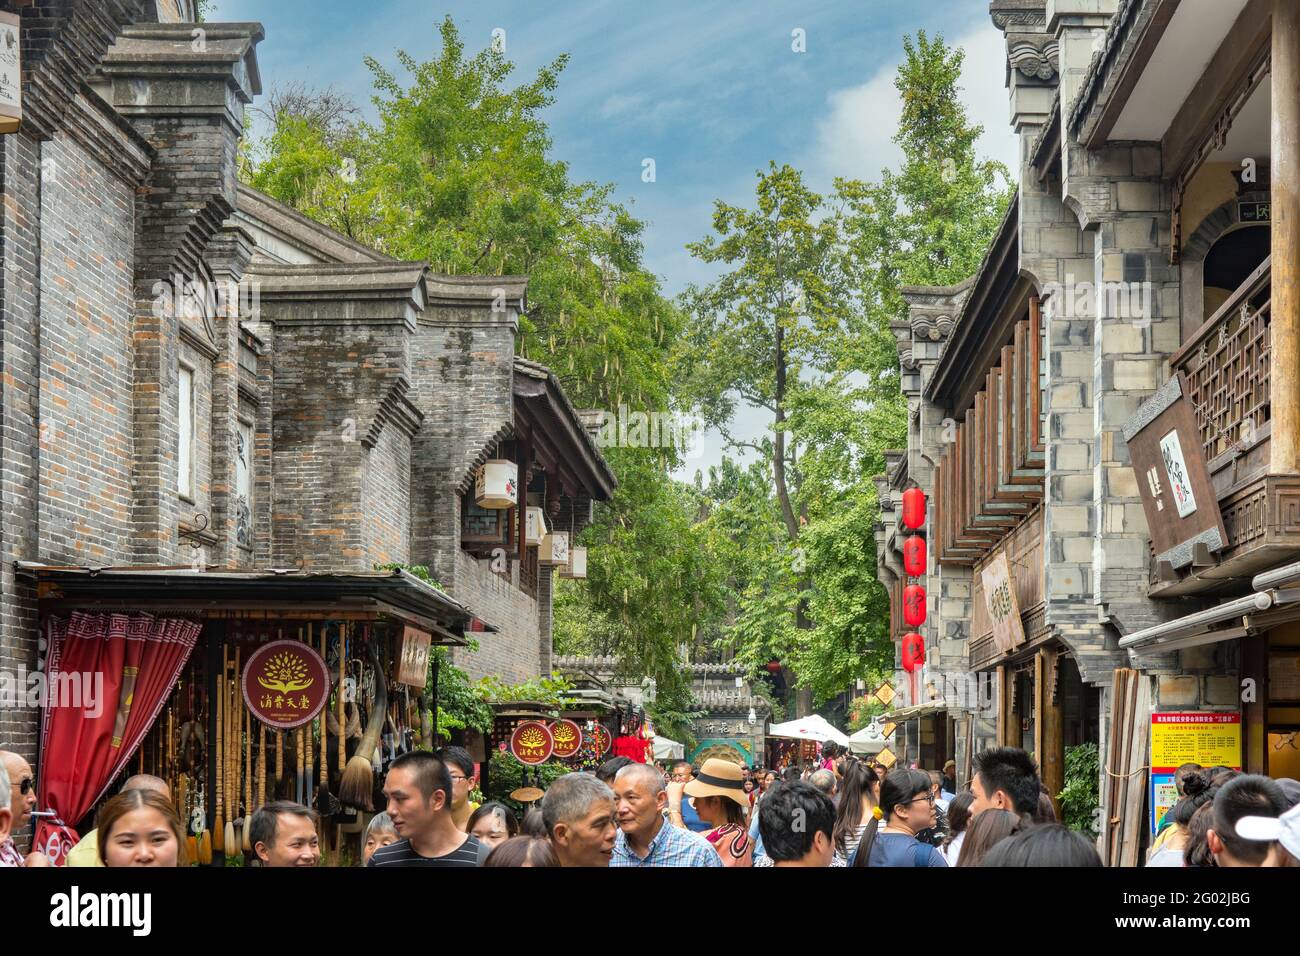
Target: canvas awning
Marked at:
911, 713
812, 727
666, 749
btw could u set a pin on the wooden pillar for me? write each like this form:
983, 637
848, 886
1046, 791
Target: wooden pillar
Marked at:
1284, 175
1050, 723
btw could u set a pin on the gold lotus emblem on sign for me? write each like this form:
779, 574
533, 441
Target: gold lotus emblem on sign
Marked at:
532, 737
286, 673
564, 734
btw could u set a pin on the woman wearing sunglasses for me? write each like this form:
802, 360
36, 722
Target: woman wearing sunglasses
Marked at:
906, 808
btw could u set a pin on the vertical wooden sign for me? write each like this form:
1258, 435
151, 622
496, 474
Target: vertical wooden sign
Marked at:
1004, 609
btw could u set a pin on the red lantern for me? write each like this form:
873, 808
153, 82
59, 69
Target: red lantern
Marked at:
914, 605
914, 555
913, 508
913, 652
774, 667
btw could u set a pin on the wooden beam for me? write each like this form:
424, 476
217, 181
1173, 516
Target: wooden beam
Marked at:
1246, 43
1137, 64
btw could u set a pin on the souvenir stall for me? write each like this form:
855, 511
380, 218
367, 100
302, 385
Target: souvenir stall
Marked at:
237, 688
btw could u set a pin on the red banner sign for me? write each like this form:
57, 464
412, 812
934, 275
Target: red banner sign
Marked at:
567, 737
531, 743
285, 684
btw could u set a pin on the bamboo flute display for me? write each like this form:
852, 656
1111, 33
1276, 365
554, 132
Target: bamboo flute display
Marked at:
234, 726
310, 760
218, 826
248, 773
343, 753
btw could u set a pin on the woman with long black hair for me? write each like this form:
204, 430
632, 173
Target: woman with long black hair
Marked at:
906, 808
859, 794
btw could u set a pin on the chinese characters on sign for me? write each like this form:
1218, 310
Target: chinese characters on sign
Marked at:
1209, 739
1171, 450
567, 738
285, 684
532, 743
413, 663
1004, 609
1164, 445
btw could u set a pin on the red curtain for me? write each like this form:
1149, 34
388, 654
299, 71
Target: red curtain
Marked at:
86, 742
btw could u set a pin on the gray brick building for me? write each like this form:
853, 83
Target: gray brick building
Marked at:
194, 375
1146, 270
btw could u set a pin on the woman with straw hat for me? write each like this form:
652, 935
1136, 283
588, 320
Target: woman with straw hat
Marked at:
721, 802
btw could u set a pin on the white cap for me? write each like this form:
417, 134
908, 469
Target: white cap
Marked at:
1284, 829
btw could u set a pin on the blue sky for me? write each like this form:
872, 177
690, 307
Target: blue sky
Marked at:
710, 91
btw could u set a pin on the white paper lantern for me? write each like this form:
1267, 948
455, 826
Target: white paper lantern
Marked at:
577, 566
554, 549
11, 73
534, 527
497, 484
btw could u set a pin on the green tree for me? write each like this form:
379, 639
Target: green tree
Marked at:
457, 171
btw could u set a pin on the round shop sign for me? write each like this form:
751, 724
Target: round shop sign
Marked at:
285, 684
600, 739
567, 737
531, 742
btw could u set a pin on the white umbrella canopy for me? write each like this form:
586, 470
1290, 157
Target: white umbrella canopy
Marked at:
869, 740
812, 727
666, 749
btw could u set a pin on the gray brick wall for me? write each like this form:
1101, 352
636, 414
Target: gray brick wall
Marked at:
19, 410
86, 268
513, 653
462, 374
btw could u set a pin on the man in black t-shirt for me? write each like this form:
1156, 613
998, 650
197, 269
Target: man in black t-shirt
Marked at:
418, 789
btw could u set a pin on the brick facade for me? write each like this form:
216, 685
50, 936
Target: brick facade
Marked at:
372, 389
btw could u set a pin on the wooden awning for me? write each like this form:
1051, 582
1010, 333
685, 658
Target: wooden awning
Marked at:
264, 594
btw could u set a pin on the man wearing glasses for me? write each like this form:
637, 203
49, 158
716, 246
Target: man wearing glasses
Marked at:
22, 801
461, 767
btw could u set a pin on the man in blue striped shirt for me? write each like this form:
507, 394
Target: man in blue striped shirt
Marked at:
645, 837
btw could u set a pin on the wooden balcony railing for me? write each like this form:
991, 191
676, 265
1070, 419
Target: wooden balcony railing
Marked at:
1225, 364
1226, 367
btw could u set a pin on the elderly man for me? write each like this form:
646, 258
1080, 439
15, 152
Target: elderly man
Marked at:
283, 834
824, 781
22, 801
578, 811
645, 837
86, 853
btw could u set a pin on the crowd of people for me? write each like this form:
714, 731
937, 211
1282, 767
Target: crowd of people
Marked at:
840, 812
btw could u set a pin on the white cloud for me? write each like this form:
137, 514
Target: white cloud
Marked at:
855, 138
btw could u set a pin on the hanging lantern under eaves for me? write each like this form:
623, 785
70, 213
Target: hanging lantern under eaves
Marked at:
554, 548
577, 566
534, 527
497, 484
11, 73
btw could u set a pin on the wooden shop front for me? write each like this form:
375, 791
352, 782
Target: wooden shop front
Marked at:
238, 689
